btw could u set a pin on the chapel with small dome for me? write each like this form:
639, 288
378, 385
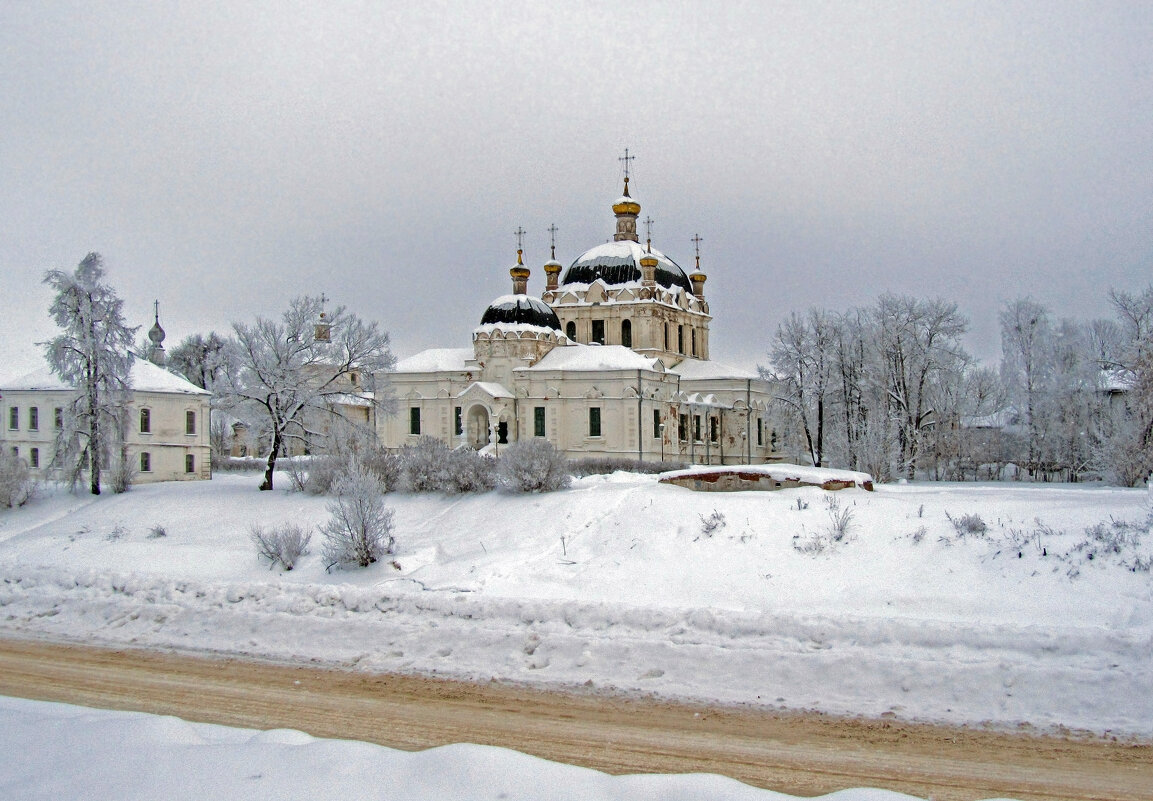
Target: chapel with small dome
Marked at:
612, 360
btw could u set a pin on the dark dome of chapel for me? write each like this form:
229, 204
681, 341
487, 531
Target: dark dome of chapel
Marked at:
520, 310
619, 263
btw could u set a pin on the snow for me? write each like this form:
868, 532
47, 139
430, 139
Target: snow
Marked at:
436, 360
145, 377
87, 753
780, 472
594, 358
695, 370
1045, 619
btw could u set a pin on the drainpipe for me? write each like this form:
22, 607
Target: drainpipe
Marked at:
721, 433
640, 421
749, 419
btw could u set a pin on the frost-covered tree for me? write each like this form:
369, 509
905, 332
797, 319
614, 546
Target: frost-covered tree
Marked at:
918, 347
1026, 366
1127, 454
207, 361
360, 529
92, 354
802, 367
288, 374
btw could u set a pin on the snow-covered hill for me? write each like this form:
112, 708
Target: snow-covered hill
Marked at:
1045, 617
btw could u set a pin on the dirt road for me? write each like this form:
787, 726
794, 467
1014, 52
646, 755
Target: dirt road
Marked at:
792, 753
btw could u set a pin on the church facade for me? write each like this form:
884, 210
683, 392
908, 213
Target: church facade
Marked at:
612, 360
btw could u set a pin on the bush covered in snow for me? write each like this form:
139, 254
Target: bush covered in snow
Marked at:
532, 465
281, 545
603, 465
360, 529
431, 466
16, 484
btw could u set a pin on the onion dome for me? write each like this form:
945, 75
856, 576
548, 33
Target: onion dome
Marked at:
520, 310
617, 263
625, 204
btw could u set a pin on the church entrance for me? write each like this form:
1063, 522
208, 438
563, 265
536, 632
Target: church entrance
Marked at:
478, 427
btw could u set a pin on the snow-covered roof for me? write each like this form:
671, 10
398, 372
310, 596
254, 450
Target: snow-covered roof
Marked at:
144, 375
436, 360
594, 358
694, 369
520, 310
488, 387
1119, 380
618, 263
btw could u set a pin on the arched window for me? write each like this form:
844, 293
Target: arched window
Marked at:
145, 421
693, 337
627, 333
570, 330
681, 341
666, 336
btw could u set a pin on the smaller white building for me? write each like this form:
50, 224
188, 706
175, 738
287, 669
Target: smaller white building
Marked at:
167, 430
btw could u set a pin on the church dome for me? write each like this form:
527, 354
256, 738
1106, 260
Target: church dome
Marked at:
520, 310
620, 263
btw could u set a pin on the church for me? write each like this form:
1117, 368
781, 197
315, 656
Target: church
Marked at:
612, 360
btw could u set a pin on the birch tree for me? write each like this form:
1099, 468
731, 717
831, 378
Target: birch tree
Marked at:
287, 372
92, 354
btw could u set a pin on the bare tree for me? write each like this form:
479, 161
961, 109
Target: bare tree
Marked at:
802, 366
91, 354
918, 347
288, 371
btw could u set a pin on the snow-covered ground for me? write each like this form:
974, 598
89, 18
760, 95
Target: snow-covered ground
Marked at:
94, 754
1045, 618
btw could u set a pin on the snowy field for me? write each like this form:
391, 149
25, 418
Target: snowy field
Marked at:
1044, 619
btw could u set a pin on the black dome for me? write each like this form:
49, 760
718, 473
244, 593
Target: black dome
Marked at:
619, 263
520, 310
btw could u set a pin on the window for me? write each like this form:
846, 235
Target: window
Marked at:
713, 429
34, 457
33, 418
189, 463
502, 432
414, 420
190, 422
760, 432
145, 421
656, 423
570, 330
697, 427
627, 333
14, 418
684, 428
146, 463
666, 336
599, 331
458, 422
538, 421
693, 340
58, 418
595, 421
680, 339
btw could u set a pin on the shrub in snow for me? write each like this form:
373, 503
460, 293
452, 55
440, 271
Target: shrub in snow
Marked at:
468, 471
360, 529
281, 545
967, 524
16, 484
382, 464
603, 465
713, 523
532, 465
156, 532
124, 474
424, 466
840, 519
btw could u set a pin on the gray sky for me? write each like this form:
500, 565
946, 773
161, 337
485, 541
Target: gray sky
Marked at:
226, 157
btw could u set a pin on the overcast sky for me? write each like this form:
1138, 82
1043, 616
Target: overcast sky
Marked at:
226, 157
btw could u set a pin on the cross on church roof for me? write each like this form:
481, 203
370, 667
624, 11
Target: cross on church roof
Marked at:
649, 232
625, 159
552, 229
696, 240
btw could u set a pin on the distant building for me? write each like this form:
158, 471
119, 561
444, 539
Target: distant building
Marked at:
611, 361
168, 423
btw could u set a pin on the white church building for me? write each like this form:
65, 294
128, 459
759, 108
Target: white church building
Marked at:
611, 361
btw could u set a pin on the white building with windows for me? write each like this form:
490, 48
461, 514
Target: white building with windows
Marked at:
168, 423
611, 361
